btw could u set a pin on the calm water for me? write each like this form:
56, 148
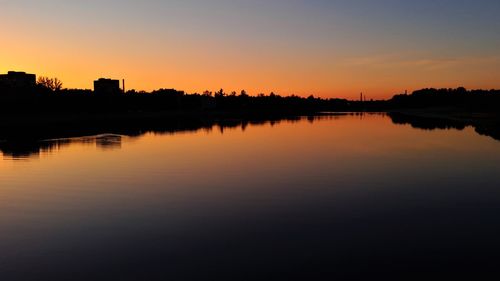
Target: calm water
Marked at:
312, 199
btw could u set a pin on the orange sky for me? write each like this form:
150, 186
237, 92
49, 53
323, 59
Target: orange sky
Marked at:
268, 48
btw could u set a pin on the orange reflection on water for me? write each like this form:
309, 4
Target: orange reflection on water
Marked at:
178, 178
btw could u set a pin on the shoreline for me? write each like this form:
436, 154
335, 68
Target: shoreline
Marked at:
25, 135
44, 126
484, 123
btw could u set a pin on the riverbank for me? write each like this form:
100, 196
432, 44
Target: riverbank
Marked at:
485, 123
53, 125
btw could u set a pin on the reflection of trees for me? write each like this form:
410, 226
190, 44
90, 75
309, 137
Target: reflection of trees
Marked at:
29, 143
26, 148
25, 144
490, 129
426, 123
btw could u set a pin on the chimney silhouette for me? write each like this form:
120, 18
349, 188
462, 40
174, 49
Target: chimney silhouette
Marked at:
123, 82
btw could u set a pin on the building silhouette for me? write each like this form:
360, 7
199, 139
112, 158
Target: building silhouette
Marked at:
17, 80
105, 86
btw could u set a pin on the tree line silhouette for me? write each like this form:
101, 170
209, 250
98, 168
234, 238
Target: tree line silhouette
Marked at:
48, 96
46, 108
461, 98
49, 99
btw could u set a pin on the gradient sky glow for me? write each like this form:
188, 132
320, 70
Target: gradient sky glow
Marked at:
330, 48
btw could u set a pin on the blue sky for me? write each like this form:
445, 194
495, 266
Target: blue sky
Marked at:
360, 42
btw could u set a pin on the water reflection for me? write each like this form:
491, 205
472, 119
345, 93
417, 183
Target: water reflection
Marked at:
343, 198
28, 146
490, 129
25, 149
31, 146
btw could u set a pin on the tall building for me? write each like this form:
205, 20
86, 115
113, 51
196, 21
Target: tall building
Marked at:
17, 80
107, 87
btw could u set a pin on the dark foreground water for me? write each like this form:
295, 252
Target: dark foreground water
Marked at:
354, 197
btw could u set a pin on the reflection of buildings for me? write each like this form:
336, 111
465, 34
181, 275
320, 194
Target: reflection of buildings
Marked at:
20, 149
14, 79
107, 87
109, 141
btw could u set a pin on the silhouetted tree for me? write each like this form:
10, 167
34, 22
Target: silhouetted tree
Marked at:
220, 93
243, 93
53, 84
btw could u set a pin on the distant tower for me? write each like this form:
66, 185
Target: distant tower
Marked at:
123, 83
361, 97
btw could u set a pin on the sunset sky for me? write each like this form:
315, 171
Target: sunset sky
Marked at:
329, 48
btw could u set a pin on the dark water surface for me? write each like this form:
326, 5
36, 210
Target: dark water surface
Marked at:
353, 196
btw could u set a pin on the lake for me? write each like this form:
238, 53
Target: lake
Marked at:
354, 195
